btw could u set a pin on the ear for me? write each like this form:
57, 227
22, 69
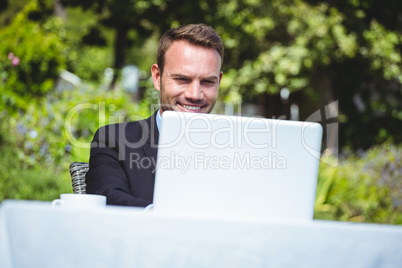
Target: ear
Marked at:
156, 76
220, 77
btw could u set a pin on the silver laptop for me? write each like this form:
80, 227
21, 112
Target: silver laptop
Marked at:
239, 166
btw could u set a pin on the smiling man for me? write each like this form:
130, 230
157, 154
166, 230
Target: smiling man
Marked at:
187, 75
188, 72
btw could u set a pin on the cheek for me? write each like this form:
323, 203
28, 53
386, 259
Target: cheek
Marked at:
212, 94
171, 90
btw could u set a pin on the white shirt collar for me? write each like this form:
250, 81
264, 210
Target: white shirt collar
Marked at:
159, 120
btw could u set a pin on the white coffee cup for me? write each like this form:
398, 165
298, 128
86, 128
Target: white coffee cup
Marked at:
80, 200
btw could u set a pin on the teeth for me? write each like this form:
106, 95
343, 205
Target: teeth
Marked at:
194, 108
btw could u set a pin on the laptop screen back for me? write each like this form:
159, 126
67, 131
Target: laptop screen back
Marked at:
227, 165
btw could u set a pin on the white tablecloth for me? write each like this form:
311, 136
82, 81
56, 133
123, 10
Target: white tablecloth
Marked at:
34, 234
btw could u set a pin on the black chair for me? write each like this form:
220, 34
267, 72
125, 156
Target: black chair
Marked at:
77, 172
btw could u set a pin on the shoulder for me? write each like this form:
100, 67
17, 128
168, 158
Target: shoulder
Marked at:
126, 125
130, 130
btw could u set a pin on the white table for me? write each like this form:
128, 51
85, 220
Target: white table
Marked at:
34, 234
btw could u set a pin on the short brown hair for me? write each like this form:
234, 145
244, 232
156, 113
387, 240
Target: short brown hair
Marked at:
196, 34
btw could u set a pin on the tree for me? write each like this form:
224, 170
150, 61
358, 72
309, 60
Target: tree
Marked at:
121, 16
369, 84
143, 17
320, 54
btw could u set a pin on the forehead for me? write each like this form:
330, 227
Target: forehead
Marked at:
182, 54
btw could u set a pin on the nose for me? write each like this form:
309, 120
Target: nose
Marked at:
194, 91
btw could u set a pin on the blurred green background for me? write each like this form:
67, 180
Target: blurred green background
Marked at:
68, 67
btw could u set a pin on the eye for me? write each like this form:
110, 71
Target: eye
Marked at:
208, 82
182, 79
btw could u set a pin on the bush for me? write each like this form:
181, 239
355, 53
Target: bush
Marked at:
363, 189
62, 125
19, 181
31, 56
87, 62
38, 146
43, 130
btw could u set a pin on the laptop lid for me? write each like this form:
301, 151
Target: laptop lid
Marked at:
228, 165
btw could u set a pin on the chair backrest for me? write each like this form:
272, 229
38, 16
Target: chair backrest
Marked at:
78, 171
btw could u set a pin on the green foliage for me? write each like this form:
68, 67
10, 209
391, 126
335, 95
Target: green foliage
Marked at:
31, 56
43, 130
37, 146
382, 46
65, 122
42, 182
292, 41
362, 189
321, 52
86, 61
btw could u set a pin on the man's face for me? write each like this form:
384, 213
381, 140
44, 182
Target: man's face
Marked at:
190, 79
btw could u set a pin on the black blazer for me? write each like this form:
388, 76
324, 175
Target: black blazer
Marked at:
122, 162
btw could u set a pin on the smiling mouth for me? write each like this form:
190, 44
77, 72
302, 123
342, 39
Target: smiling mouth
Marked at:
193, 108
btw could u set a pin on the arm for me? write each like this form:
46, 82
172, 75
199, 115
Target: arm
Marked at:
107, 175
